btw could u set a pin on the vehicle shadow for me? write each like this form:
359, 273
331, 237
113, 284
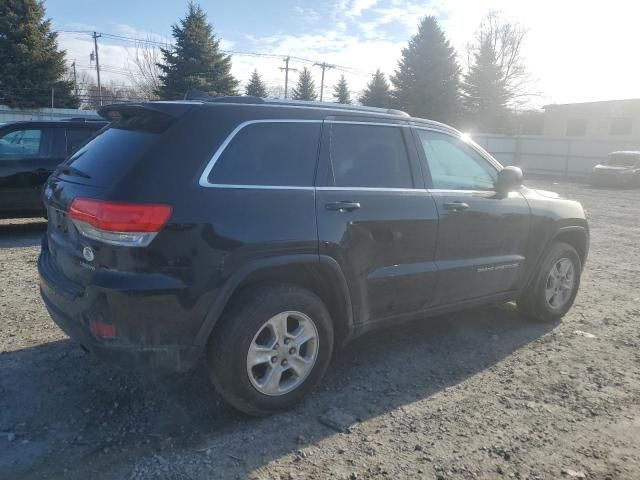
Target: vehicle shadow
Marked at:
16, 234
61, 399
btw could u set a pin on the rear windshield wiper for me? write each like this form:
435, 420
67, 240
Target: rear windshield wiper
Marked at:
68, 170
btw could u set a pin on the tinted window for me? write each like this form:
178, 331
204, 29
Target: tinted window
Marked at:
454, 165
21, 143
276, 154
368, 156
106, 157
76, 137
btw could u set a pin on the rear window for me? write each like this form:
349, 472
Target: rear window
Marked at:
270, 154
107, 156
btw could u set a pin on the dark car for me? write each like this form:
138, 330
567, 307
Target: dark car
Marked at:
29, 152
262, 233
619, 169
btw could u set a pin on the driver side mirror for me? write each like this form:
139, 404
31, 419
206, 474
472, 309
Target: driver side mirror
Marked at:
509, 178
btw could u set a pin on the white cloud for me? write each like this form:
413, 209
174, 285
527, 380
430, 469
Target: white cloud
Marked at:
359, 6
579, 50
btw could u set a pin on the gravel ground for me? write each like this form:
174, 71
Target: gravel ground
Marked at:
479, 394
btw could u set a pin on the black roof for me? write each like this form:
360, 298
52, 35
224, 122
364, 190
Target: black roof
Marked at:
178, 107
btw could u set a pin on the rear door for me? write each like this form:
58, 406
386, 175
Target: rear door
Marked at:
375, 217
482, 236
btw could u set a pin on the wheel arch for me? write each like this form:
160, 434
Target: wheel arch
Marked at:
319, 274
577, 237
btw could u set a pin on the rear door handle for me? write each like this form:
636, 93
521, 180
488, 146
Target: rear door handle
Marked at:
455, 206
343, 206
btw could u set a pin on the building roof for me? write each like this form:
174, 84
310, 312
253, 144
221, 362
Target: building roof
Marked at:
603, 103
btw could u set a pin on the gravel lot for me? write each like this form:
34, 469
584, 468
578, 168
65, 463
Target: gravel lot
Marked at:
480, 394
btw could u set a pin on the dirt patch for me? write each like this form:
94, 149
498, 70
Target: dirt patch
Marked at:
480, 394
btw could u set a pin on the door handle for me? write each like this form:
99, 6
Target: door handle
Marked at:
456, 206
343, 206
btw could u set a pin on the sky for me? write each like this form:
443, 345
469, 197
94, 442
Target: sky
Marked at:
575, 50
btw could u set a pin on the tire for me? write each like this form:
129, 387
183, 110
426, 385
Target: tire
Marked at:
534, 303
252, 321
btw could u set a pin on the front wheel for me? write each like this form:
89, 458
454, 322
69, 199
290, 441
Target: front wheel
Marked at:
552, 292
273, 346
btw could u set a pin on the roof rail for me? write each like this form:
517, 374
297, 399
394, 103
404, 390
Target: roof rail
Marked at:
82, 119
347, 107
201, 96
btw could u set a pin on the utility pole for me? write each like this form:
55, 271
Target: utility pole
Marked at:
52, 93
75, 78
95, 43
286, 74
324, 66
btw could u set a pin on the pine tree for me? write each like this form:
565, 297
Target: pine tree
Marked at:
341, 91
305, 89
427, 78
256, 87
31, 64
377, 92
485, 95
196, 62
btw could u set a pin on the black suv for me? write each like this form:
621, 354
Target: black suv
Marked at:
264, 233
29, 152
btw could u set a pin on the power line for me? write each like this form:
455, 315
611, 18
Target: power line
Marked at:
142, 41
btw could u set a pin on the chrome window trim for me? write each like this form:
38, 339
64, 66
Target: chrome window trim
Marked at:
371, 189
204, 178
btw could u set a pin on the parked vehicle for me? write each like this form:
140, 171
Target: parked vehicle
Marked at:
264, 233
619, 169
29, 152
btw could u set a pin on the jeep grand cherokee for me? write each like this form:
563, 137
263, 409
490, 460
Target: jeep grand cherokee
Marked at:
262, 233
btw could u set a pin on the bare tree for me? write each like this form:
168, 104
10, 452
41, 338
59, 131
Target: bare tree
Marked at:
145, 72
506, 39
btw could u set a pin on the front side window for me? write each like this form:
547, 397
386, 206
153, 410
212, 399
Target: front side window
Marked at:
370, 156
21, 143
270, 154
454, 165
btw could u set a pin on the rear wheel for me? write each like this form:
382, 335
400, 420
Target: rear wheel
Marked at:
554, 289
273, 346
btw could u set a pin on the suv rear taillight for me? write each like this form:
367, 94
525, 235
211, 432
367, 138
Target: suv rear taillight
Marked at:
126, 224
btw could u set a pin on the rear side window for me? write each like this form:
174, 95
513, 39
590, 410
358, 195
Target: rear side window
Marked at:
371, 156
270, 154
76, 137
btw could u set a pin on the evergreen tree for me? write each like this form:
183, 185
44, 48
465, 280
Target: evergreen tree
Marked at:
485, 95
31, 64
427, 78
305, 88
256, 87
196, 61
377, 92
341, 91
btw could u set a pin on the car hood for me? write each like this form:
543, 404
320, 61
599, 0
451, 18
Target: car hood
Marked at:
546, 193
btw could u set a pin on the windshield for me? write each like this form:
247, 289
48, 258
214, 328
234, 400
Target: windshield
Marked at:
622, 160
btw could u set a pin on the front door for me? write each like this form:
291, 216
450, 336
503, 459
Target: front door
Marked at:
482, 236
376, 218
27, 157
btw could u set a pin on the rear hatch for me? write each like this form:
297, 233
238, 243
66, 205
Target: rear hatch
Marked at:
94, 173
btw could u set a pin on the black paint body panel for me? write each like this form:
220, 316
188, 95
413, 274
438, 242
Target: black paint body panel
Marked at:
396, 257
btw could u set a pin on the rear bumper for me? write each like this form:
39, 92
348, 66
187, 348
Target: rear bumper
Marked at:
140, 342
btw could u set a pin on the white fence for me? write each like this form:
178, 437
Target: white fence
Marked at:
13, 115
564, 157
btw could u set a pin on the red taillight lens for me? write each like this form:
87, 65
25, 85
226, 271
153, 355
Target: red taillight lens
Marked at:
102, 330
120, 217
